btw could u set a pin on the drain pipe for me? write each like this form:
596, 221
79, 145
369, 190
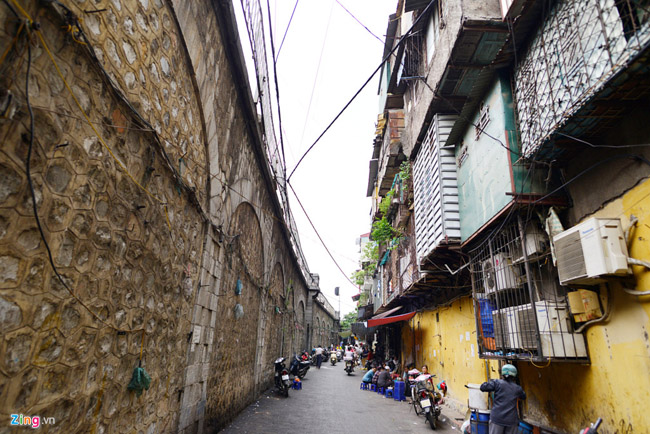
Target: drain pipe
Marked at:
632, 261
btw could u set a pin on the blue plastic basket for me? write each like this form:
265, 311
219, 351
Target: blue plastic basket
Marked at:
487, 323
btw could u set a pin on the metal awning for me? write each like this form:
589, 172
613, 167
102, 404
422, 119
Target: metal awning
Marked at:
390, 319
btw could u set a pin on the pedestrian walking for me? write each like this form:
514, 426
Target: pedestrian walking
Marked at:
503, 417
319, 356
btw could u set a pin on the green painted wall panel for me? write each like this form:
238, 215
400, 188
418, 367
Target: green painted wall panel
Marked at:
485, 175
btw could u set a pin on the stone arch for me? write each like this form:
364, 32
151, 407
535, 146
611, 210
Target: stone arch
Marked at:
300, 317
236, 339
274, 328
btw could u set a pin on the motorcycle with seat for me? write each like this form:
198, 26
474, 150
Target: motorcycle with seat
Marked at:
349, 365
281, 377
300, 365
426, 399
333, 358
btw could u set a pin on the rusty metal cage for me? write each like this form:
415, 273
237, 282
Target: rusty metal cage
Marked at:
521, 308
579, 48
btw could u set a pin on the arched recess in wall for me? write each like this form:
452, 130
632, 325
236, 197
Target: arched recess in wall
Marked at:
238, 311
276, 311
300, 317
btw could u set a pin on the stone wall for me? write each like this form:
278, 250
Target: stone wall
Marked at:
125, 234
153, 209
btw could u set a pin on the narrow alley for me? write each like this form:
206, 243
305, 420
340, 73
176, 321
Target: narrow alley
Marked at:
331, 402
191, 190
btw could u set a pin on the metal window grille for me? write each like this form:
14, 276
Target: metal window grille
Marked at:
521, 309
483, 120
581, 45
413, 56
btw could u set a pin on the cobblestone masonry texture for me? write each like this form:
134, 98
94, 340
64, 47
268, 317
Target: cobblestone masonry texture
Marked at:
128, 261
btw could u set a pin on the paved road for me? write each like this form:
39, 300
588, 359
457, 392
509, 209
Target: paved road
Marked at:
330, 402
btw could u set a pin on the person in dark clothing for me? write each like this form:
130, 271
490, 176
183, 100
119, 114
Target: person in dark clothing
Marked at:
384, 380
503, 417
375, 377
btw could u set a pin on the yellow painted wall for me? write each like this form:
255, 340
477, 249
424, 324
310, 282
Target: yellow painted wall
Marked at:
561, 396
448, 346
616, 386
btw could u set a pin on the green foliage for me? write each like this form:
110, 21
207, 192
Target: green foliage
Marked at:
348, 319
405, 170
363, 299
370, 252
369, 258
358, 277
383, 231
384, 205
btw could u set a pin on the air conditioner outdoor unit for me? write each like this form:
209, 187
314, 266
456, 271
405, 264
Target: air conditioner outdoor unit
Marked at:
590, 250
508, 328
514, 328
535, 240
499, 273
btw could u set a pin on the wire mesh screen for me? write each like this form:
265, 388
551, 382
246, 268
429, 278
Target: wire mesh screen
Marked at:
580, 46
521, 309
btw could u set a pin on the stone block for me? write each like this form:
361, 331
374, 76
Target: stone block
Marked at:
205, 372
196, 316
213, 304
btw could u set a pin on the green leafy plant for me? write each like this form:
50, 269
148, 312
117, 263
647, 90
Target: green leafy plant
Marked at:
370, 252
369, 258
358, 277
383, 231
405, 170
384, 205
348, 319
363, 299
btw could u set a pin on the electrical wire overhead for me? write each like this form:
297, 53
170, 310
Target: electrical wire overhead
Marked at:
357, 20
275, 59
318, 235
381, 64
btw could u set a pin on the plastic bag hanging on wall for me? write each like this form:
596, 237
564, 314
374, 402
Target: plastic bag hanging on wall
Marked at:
140, 381
239, 311
238, 287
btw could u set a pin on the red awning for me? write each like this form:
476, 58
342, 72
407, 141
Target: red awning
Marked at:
390, 319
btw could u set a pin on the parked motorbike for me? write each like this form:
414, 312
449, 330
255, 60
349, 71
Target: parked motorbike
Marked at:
593, 429
299, 366
281, 377
349, 366
333, 358
426, 399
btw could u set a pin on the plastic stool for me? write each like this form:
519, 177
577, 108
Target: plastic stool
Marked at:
373, 387
381, 390
398, 391
297, 385
389, 393
363, 386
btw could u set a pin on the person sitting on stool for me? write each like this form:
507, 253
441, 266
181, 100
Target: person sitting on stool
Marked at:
384, 380
368, 377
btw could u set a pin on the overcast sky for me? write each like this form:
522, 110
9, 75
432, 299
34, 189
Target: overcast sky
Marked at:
331, 182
